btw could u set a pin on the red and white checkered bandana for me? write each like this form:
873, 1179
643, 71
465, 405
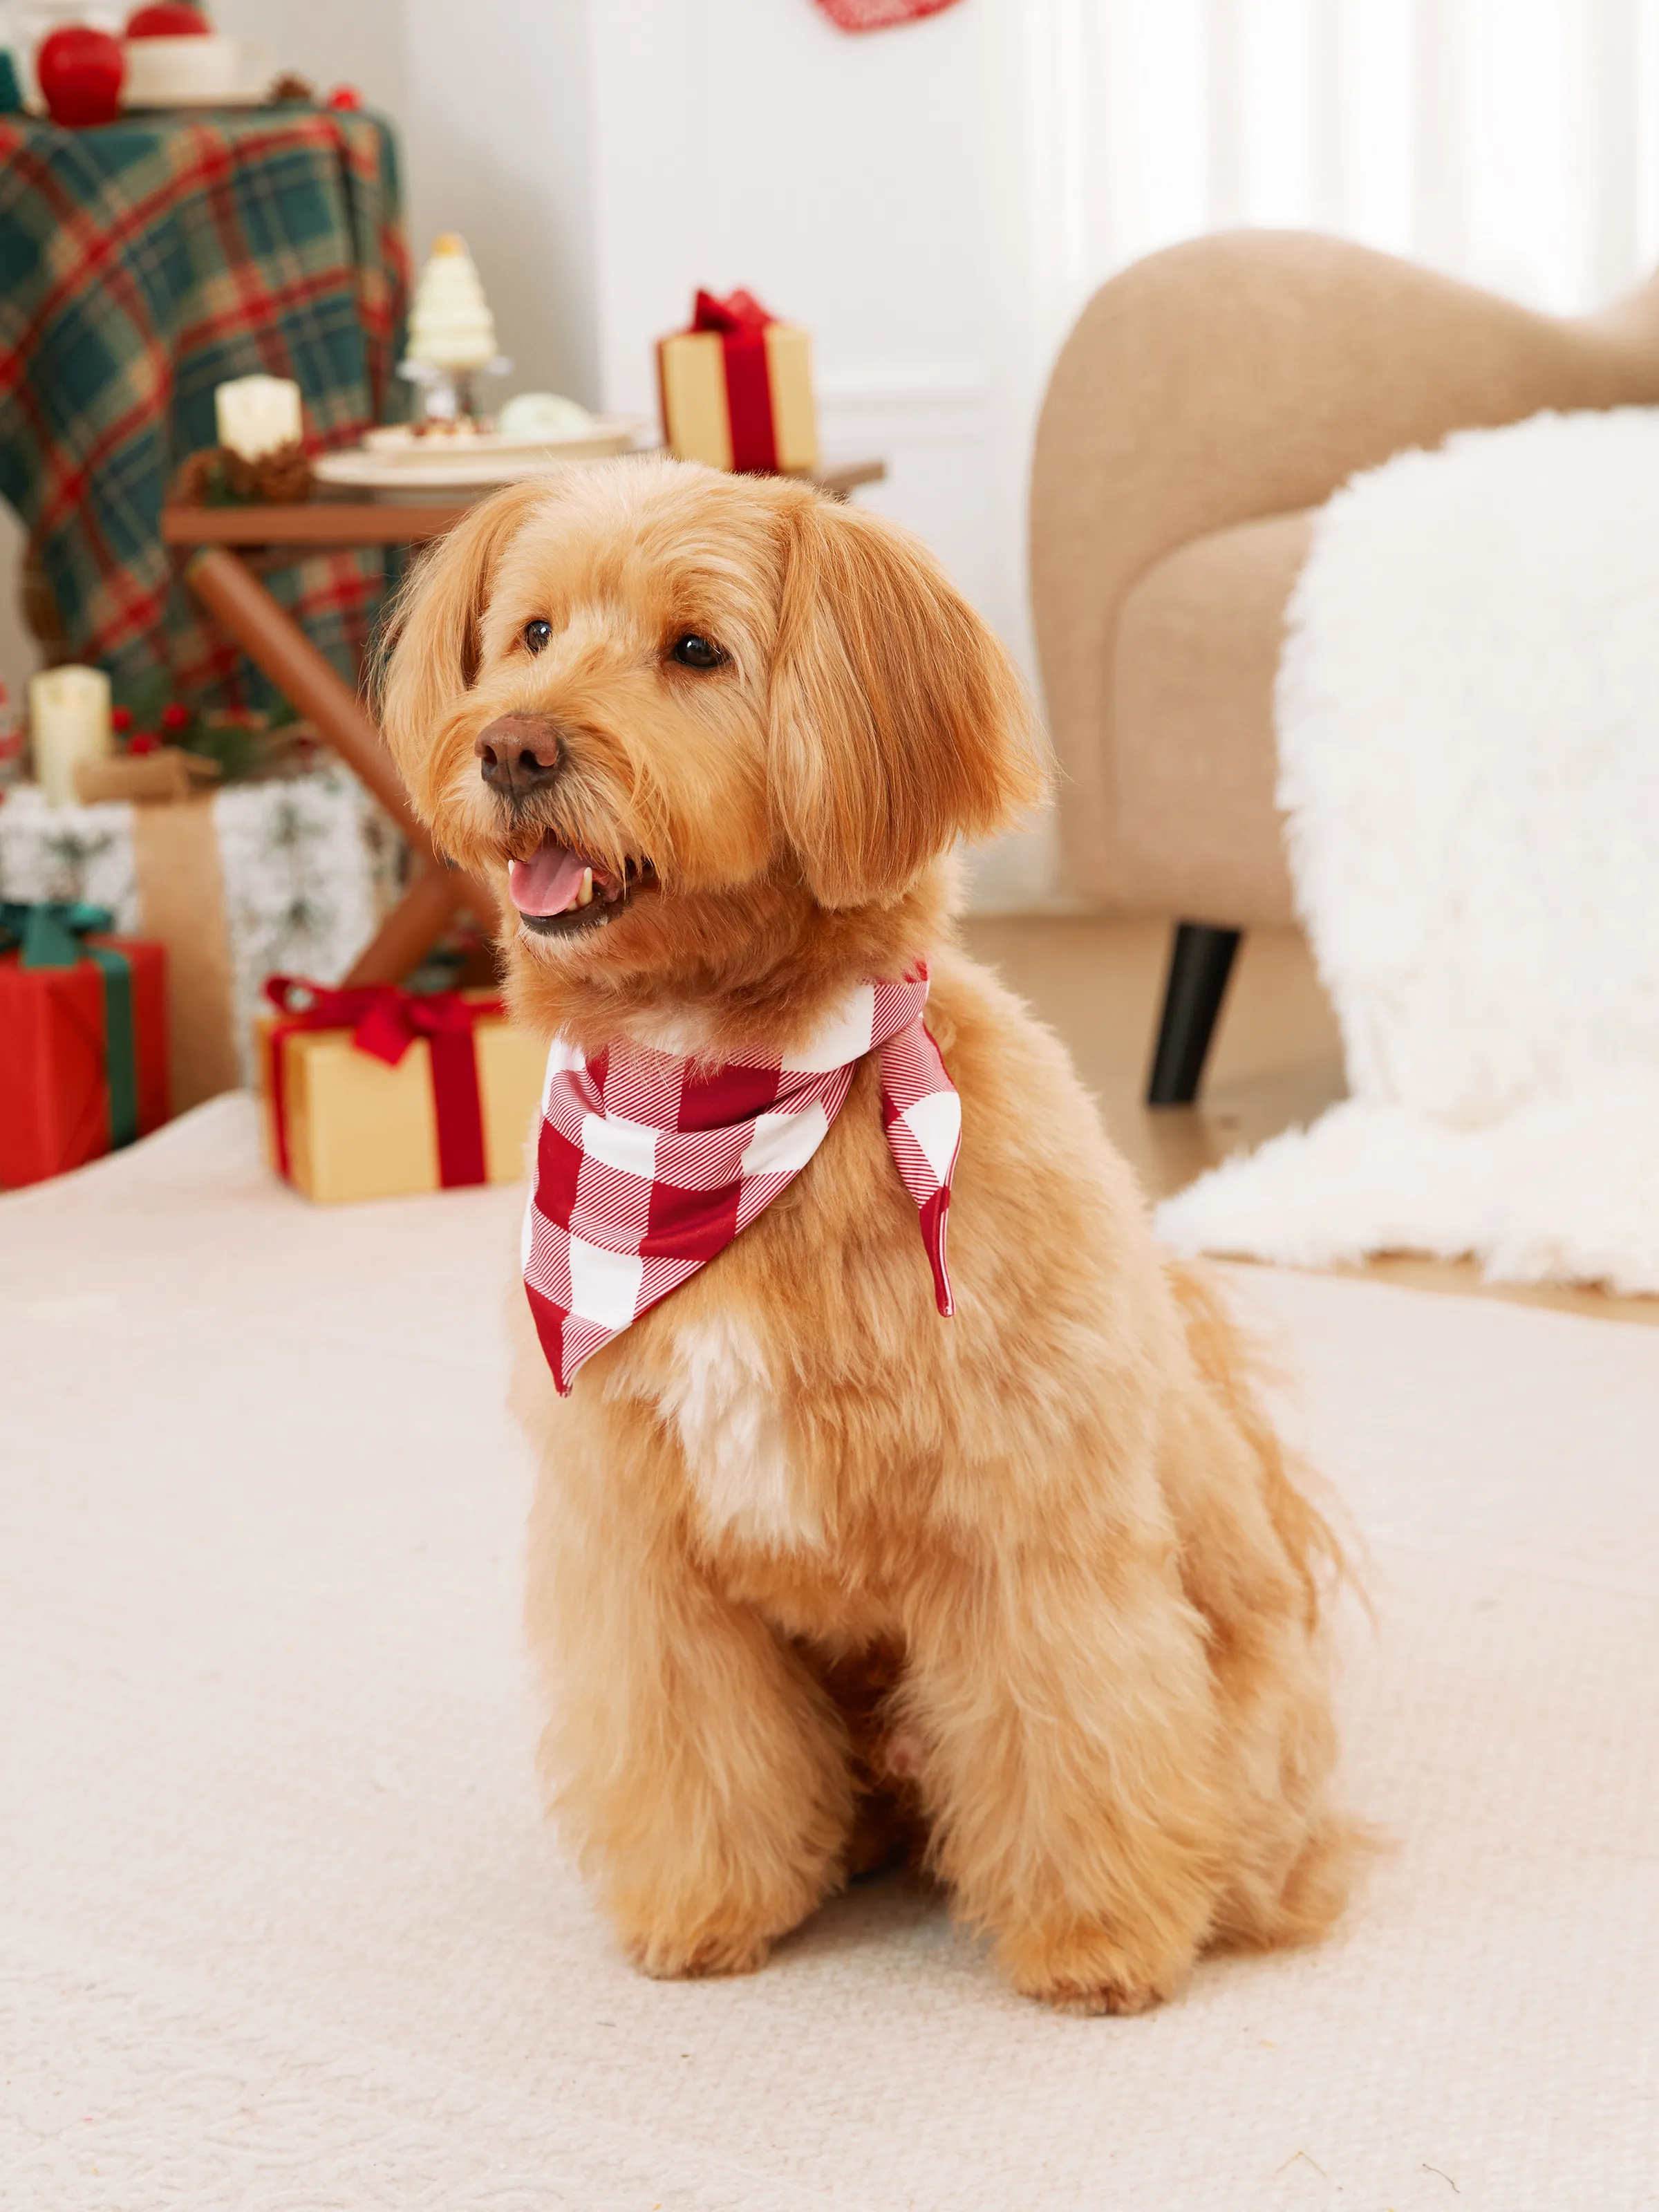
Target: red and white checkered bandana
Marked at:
648, 1165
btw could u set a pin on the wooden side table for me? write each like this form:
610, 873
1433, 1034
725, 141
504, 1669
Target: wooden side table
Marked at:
224, 548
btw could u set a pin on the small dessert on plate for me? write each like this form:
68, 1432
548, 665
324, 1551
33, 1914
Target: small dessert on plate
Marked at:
536, 430
543, 418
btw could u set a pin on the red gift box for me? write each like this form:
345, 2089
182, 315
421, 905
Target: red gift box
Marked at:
54, 1061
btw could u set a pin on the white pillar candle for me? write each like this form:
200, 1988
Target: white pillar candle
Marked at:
68, 721
257, 414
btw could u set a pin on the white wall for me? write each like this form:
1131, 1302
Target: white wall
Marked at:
490, 103
497, 144
329, 42
748, 142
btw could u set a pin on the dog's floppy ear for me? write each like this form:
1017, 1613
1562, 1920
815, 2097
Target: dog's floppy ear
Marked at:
898, 721
433, 649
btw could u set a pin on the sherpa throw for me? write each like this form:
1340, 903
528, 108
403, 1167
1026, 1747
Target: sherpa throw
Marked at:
649, 1165
1469, 735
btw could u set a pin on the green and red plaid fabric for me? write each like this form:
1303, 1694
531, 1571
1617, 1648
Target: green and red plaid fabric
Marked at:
142, 265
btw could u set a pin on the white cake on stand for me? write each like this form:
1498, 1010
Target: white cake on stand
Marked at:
451, 334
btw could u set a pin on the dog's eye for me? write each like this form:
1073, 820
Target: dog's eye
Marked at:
695, 651
537, 633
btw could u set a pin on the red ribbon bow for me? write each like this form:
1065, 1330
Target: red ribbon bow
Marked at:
741, 322
385, 1021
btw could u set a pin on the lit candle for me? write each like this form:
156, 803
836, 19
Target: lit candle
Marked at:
68, 721
257, 414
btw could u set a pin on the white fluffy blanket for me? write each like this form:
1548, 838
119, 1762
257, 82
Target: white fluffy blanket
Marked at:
1468, 731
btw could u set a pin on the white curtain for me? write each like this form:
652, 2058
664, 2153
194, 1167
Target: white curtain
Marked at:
1513, 143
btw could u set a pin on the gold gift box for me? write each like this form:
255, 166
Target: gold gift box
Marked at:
696, 419
358, 1128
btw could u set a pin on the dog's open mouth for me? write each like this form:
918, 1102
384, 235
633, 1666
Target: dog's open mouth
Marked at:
559, 890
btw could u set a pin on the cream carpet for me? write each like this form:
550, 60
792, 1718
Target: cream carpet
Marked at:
280, 1926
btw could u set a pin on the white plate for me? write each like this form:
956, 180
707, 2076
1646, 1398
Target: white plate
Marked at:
477, 457
367, 473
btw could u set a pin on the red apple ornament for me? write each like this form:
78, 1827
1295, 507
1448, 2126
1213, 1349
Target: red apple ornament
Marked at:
80, 72
167, 19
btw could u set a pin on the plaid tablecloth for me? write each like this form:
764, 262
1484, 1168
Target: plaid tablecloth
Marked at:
142, 263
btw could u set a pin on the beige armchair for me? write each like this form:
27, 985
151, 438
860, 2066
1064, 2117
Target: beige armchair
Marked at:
1208, 399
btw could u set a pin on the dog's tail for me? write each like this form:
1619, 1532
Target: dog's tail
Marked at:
1292, 1881
1234, 1368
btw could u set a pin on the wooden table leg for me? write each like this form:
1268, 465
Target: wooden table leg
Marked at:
275, 642
411, 929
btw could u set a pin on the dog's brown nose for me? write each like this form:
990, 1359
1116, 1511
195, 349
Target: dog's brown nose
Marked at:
518, 754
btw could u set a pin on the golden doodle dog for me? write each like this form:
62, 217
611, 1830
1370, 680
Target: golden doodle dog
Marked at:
818, 1572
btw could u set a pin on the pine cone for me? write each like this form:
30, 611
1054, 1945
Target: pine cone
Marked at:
282, 476
220, 477
197, 477
238, 477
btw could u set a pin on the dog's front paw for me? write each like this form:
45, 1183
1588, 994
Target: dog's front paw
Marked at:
675, 1920
1118, 1998
670, 1955
1089, 1972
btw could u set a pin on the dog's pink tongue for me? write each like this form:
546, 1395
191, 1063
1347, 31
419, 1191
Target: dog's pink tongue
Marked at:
549, 881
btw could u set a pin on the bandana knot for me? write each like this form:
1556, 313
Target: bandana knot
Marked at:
647, 1164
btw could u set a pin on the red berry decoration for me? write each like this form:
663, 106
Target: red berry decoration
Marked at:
120, 720
346, 97
80, 72
174, 717
167, 19
144, 741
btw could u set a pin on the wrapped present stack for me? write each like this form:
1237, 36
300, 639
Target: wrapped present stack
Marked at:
139, 927
84, 1039
377, 1092
255, 878
737, 389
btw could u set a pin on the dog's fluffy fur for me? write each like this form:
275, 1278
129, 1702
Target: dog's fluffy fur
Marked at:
805, 1554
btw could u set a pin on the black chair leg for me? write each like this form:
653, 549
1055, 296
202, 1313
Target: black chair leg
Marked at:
1201, 960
